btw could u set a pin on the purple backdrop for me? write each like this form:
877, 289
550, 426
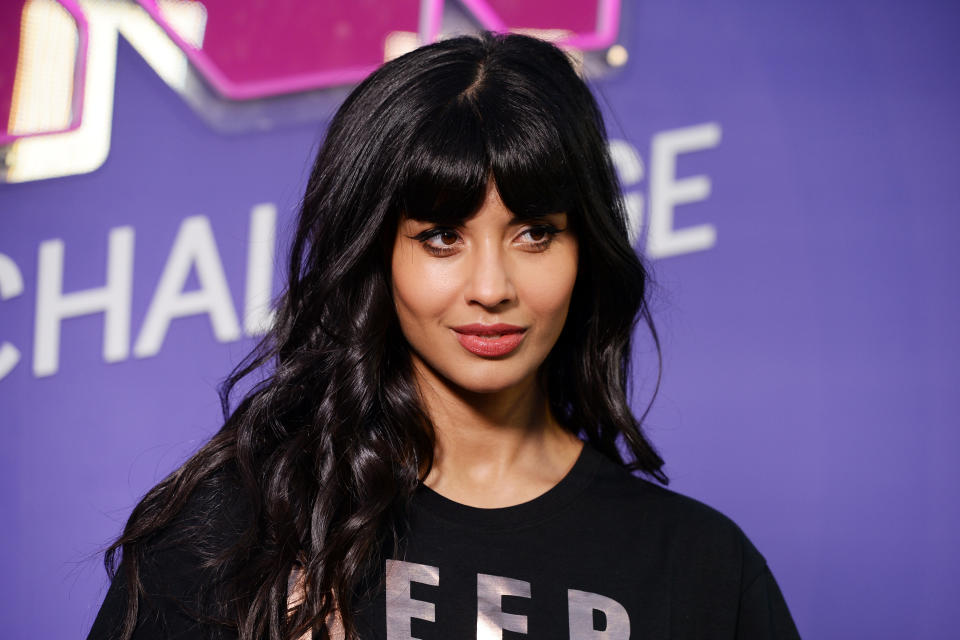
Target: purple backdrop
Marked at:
811, 350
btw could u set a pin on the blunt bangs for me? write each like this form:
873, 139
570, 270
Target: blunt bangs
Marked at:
529, 160
486, 131
446, 167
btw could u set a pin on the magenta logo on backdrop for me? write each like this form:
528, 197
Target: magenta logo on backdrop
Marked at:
255, 49
43, 53
58, 59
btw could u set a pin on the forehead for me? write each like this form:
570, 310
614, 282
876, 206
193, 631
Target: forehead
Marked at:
491, 207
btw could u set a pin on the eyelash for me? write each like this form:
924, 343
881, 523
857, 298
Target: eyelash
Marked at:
425, 236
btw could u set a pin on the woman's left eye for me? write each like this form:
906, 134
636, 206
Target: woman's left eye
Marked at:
538, 237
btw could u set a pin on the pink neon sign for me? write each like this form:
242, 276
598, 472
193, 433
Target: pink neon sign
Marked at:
255, 49
250, 49
14, 20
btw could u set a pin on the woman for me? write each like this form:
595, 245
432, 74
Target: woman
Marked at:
442, 445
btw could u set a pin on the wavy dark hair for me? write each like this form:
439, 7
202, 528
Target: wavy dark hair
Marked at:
329, 446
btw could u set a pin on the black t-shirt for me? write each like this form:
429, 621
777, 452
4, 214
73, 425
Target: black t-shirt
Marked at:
602, 555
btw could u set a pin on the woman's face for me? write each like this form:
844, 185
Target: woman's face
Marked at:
482, 304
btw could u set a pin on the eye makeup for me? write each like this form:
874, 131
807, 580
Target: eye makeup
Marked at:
445, 241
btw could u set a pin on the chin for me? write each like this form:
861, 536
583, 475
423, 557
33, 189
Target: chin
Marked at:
482, 378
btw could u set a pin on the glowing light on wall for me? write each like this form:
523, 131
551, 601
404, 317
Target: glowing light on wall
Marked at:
42, 54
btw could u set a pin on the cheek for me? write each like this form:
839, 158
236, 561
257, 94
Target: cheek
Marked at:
548, 288
422, 288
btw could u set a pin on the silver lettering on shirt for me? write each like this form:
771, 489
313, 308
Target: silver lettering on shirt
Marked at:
401, 607
491, 620
582, 604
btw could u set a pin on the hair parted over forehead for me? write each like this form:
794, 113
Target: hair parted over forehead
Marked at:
500, 115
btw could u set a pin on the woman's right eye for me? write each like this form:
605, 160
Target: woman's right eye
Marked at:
439, 242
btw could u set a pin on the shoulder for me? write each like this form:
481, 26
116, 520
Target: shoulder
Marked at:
648, 500
177, 572
710, 562
215, 513
213, 519
220, 503
675, 523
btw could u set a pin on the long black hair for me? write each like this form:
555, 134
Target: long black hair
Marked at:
328, 448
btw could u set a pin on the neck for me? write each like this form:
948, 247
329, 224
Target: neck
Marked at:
494, 449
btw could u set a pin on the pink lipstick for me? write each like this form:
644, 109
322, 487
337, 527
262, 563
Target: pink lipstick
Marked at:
490, 340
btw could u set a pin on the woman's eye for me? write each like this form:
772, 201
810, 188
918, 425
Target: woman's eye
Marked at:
446, 238
444, 242
539, 237
439, 241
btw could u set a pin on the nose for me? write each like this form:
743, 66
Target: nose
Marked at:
489, 284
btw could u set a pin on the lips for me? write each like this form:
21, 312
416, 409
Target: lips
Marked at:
490, 340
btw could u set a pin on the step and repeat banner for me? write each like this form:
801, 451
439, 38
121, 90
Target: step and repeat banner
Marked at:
790, 169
